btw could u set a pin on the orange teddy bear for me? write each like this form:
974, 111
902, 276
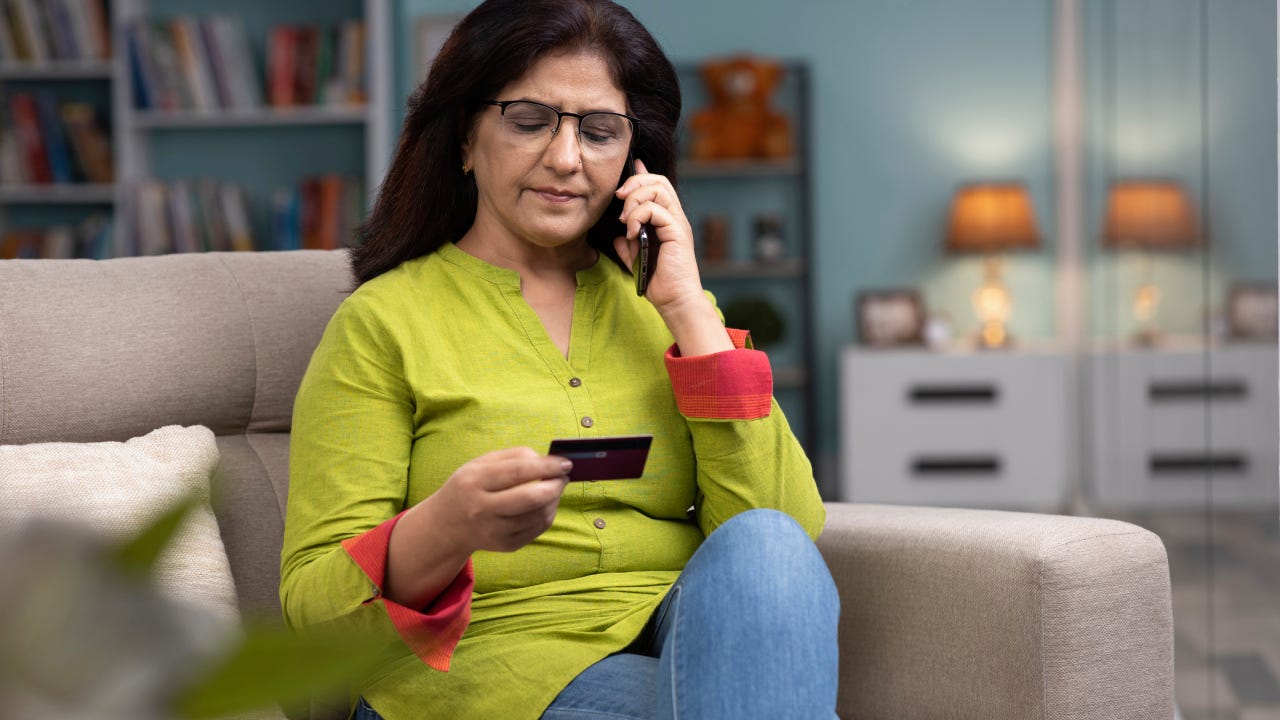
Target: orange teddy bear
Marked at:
739, 123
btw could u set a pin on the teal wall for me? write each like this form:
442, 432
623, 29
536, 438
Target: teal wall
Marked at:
912, 98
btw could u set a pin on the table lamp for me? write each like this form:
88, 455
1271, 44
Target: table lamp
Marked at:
1148, 215
992, 218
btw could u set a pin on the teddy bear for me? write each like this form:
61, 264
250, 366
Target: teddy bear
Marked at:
739, 122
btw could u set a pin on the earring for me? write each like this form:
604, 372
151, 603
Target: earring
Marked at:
466, 168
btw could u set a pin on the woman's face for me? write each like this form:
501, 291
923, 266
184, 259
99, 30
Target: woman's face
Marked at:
549, 196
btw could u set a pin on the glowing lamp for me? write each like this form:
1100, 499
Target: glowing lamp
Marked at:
992, 218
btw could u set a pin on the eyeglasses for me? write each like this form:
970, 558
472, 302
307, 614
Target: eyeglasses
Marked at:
531, 125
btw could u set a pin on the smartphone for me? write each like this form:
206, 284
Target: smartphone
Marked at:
604, 458
646, 259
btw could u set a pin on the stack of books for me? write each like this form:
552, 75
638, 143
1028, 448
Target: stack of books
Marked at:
188, 63
315, 65
44, 31
93, 238
320, 213
190, 216
43, 141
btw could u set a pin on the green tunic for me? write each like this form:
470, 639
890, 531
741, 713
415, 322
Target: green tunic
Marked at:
441, 360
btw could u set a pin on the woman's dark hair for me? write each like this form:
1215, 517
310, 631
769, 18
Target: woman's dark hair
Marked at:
426, 200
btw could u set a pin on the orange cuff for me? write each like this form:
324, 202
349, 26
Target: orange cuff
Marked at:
731, 385
432, 632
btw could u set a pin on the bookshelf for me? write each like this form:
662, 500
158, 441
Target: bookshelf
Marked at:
271, 155
740, 192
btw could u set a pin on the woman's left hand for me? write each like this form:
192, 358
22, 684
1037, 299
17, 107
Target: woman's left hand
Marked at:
676, 288
650, 198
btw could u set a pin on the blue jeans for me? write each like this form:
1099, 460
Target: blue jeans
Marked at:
747, 631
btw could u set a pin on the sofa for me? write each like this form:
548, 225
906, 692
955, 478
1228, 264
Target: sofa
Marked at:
946, 613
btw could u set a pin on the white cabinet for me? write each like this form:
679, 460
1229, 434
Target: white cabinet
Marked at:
1182, 427
975, 429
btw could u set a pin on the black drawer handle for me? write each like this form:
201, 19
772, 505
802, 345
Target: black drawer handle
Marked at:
966, 465
1180, 463
1197, 390
954, 394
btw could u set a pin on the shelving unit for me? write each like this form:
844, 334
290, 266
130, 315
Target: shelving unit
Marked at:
38, 204
259, 150
740, 191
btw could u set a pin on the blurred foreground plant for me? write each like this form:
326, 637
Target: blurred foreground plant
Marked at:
85, 635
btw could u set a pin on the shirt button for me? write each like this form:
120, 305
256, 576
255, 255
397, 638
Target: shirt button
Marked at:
599, 523
574, 382
587, 421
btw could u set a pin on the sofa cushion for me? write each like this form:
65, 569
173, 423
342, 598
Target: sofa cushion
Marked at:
117, 489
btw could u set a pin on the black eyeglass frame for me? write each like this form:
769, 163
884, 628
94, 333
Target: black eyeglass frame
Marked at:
560, 114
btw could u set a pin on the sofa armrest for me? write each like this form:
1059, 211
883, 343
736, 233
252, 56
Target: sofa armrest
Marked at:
989, 614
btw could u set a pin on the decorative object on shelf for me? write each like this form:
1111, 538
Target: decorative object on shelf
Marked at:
992, 218
1252, 312
769, 246
1149, 215
937, 330
715, 238
890, 318
740, 123
759, 316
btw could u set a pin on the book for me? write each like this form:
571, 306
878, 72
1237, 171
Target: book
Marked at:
193, 61
216, 236
28, 34
246, 90
218, 62
89, 143
235, 211
11, 168
57, 19
182, 217
95, 12
60, 165
8, 51
27, 131
281, 59
152, 216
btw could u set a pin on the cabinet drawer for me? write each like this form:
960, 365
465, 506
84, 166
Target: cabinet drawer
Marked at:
980, 430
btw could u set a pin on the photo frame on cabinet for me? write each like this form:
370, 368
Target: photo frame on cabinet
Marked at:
429, 34
1252, 312
890, 318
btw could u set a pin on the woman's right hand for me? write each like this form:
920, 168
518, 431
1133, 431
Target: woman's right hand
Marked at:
501, 500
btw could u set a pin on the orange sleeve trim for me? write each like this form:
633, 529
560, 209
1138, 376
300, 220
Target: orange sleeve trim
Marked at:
731, 385
432, 632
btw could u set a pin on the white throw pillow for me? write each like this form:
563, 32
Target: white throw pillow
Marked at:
118, 489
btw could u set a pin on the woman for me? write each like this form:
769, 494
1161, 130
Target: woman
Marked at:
495, 313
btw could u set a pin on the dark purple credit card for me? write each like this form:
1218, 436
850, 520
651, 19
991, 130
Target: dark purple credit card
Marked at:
604, 458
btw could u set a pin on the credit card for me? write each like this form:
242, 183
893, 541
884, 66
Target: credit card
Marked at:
604, 458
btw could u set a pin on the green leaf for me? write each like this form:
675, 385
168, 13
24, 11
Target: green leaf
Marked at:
274, 665
139, 555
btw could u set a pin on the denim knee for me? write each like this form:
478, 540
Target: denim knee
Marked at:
770, 543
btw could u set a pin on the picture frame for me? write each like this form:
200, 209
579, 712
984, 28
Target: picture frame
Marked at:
890, 318
429, 35
1252, 312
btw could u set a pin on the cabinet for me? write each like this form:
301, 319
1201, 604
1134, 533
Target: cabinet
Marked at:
741, 196
259, 150
1176, 427
954, 429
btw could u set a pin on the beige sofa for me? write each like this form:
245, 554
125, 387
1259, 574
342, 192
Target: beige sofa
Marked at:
946, 613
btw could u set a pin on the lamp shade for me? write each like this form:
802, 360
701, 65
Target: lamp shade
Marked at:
991, 217
1149, 214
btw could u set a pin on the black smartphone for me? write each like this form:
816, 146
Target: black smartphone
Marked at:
604, 458
646, 259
